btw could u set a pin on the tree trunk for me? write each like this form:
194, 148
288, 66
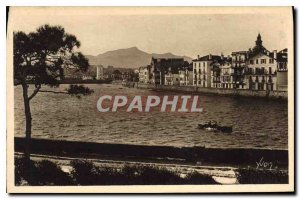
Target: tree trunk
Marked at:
28, 122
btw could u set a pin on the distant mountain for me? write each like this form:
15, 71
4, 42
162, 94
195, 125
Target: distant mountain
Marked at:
128, 58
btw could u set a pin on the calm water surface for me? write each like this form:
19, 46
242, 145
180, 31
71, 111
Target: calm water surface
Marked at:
257, 123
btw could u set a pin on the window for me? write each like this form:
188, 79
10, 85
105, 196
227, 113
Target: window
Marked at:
257, 61
204, 64
251, 62
270, 79
260, 86
263, 61
271, 61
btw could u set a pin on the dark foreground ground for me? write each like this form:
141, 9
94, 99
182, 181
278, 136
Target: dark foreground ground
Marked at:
81, 163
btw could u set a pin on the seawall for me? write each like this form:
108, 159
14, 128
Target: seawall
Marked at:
226, 156
218, 91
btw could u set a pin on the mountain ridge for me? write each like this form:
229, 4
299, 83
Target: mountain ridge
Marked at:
129, 58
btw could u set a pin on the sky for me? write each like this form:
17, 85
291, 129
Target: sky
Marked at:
188, 34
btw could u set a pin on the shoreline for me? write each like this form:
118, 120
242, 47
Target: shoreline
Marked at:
234, 157
274, 95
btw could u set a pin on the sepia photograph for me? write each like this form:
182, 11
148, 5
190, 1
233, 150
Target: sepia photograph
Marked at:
150, 99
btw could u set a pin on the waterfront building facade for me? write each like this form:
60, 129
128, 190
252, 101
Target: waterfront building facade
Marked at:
222, 73
261, 72
282, 70
100, 72
172, 79
238, 65
159, 67
253, 69
263, 66
144, 74
172, 76
216, 75
186, 74
202, 70
184, 77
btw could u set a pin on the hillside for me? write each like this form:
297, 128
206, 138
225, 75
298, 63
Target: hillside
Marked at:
128, 58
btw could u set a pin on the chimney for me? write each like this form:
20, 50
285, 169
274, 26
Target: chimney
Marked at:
275, 54
198, 57
209, 57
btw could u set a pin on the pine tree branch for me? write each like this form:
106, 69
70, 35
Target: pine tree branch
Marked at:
35, 92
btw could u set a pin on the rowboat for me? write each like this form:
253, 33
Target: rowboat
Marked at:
214, 126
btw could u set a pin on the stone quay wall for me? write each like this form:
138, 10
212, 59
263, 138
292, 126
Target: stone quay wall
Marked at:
230, 92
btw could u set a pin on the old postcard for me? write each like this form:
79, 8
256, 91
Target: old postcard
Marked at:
150, 99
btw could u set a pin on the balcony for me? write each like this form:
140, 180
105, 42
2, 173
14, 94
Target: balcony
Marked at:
237, 73
238, 61
238, 80
260, 73
283, 69
238, 65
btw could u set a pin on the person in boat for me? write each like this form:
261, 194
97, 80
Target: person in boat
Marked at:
212, 124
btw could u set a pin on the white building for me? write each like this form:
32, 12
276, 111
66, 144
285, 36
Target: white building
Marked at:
171, 79
183, 77
261, 71
202, 70
222, 73
100, 74
226, 75
144, 74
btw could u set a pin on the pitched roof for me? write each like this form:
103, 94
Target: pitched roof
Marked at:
239, 52
208, 58
281, 55
222, 61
